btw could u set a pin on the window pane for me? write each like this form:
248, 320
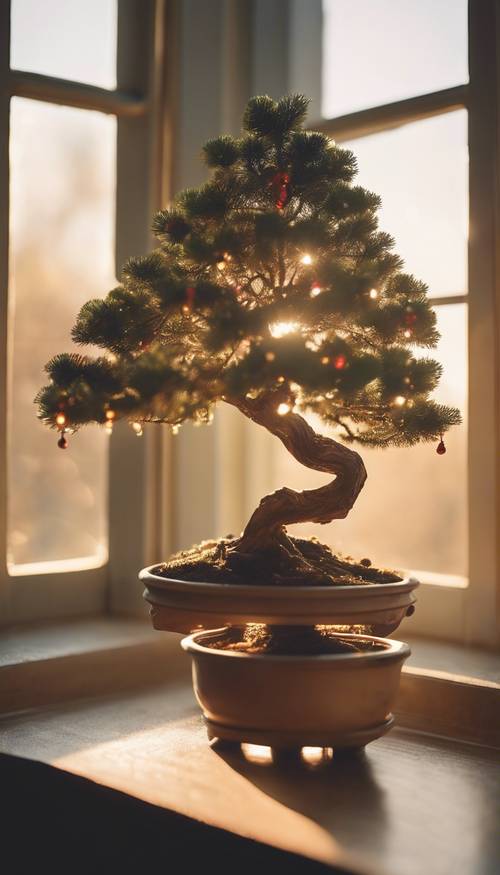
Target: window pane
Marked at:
412, 512
70, 39
379, 51
62, 230
421, 173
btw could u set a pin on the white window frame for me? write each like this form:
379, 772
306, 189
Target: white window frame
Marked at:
141, 156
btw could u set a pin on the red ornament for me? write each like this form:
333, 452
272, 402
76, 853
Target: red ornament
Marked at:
339, 362
62, 443
441, 449
279, 184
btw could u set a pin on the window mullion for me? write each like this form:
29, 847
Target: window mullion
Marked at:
78, 94
484, 342
136, 485
378, 119
4, 277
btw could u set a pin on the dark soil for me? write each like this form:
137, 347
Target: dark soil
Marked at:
290, 562
290, 641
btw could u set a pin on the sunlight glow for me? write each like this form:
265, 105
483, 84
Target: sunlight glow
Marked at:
316, 756
280, 329
257, 753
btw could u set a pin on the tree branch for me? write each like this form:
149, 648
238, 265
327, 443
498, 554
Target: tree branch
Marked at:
315, 451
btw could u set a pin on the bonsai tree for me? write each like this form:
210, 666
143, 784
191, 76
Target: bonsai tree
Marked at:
272, 290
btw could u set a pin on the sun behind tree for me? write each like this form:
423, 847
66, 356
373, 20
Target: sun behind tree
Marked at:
272, 290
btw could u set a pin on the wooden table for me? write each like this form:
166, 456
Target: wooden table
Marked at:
411, 804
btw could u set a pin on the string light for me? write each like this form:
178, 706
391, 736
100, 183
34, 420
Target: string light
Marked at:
223, 262
137, 427
373, 294
175, 429
325, 360
60, 419
315, 290
283, 408
281, 379
306, 259
399, 400
407, 333
280, 329
270, 356
110, 415
339, 362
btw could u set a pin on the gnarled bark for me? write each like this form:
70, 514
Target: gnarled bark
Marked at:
286, 506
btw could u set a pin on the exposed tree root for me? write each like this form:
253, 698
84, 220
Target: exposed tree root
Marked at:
285, 561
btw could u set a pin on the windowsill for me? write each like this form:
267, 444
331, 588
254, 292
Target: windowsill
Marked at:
49, 663
446, 689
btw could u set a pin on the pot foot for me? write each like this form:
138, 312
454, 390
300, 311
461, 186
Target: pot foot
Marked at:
290, 744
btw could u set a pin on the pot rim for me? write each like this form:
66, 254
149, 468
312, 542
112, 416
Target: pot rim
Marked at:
152, 580
392, 650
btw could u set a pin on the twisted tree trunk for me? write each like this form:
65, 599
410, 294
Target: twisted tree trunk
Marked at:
284, 507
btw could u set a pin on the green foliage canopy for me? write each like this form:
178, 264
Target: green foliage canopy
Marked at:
273, 274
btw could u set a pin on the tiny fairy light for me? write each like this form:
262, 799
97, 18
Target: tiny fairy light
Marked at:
306, 259
283, 408
137, 427
399, 400
373, 294
62, 443
175, 429
339, 362
407, 333
315, 290
325, 360
108, 425
223, 262
270, 356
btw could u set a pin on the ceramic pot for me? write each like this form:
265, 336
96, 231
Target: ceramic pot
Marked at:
184, 606
333, 700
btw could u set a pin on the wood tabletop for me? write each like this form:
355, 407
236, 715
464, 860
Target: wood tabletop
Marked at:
409, 804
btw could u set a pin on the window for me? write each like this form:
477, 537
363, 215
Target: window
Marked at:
79, 177
395, 88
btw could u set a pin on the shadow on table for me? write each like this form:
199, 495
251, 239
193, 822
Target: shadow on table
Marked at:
339, 791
